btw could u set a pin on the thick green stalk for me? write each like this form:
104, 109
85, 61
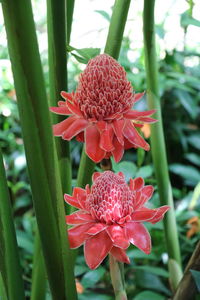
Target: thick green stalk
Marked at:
9, 258
113, 45
85, 171
117, 278
39, 146
158, 142
116, 29
70, 10
58, 78
39, 282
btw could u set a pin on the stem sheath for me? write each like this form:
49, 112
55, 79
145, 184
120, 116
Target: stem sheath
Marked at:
157, 137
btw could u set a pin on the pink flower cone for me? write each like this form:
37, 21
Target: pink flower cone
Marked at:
100, 111
110, 217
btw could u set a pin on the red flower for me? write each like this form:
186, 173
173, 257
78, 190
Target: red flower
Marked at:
110, 217
100, 111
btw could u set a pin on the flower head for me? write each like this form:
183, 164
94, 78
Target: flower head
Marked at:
100, 111
110, 217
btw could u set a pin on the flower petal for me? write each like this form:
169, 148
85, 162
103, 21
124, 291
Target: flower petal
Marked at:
79, 217
59, 128
120, 255
98, 227
96, 249
80, 194
143, 215
74, 109
159, 213
77, 235
72, 201
147, 120
142, 196
67, 96
118, 126
62, 110
95, 176
138, 96
118, 150
106, 139
75, 128
136, 115
117, 236
92, 140
138, 236
133, 136
136, 184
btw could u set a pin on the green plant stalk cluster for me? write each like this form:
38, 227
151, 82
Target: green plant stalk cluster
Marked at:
39, 282
56, 20
39, 146
158, 144
10, 268
57, 40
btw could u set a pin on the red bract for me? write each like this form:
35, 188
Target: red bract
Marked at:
100, 111
110, 217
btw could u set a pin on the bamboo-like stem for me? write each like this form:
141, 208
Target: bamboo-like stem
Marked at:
70, 10
39, 146
3, 294
157, 141
117, 278
187, 287
113, 45
57, 54
116, 29
9, 258
85, 171
39, 282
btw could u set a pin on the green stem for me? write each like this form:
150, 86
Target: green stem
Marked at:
58, 78
85, 171
116, 29
39, 146
38, 288
113, 45
9, 259
157, 138
3, 294
70, 10
117, 278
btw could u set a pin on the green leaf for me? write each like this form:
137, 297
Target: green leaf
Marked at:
84, 54
188, 102
24, 241
104, 14
187, 20
80, 269
193, 158
150, 281
196, 276
145, 171
154, 270
194, 140
149, 295
91, 277
126, 167
92, 296
190, 174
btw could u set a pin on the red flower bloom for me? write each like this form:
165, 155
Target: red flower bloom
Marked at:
100, 111
110, 217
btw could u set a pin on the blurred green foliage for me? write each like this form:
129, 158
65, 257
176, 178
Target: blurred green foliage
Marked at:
179, 78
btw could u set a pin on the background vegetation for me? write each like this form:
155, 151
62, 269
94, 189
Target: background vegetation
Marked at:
179, 77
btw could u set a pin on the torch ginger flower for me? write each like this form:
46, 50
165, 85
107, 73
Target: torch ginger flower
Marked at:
110, 217
100, 111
